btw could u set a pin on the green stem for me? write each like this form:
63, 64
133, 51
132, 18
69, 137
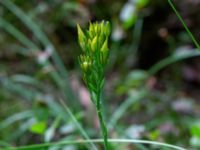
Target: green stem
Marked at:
184, 24
128, 141
101, 121
172, 59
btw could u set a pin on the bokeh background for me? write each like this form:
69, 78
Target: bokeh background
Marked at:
152, 88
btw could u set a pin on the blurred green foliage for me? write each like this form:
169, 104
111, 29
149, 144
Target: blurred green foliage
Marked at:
152, 91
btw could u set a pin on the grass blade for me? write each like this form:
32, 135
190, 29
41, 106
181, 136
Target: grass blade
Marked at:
47, 44
172, 59
121, 110
184, 24
128, 141
17, 34
14, 118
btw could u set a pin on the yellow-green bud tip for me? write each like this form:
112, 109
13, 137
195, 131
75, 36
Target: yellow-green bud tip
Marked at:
85, 66
81, 36
104, 48
94, 43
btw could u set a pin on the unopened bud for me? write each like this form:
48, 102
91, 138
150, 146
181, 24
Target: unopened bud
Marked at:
102, 26
107, 29
104, 48
85, 66
94, 44
96, 28
91, 31
104, 52
81, 37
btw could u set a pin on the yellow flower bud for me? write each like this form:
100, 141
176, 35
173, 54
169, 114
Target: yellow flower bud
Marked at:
96, 28
81, 37
89, 43
104, 48
91, 30
102, 26
91, 27
94, 44
104, 52
85, 66
85, 63
95, 47
107, 29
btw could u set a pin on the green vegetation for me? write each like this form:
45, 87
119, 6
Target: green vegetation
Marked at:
140, 69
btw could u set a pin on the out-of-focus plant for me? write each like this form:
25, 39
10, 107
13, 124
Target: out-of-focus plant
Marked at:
130, 12
94, 44
195, 132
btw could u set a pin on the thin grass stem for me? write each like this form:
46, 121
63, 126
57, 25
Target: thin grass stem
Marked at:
184, 24
127, 141
172, 59
101, 120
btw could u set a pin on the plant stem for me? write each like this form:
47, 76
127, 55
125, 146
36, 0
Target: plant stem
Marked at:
128, 141
171, 60
101, 120
184, 24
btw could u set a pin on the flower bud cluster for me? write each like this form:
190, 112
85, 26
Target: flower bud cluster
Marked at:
94, 45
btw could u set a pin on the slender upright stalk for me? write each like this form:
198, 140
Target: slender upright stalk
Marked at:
101, 120
94, 43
